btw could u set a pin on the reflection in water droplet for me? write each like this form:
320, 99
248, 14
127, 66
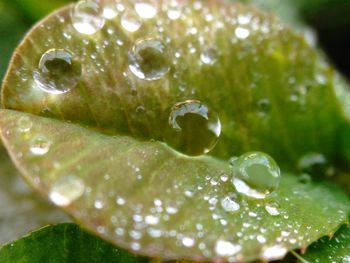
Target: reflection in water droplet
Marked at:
67, 190
24, 124
146, 8
272, 209
209, 56
149, 59
58, 72
274, 253
188, 242
263, 107
226, 249
130, 21
87, 17
256, 175
229, 205
194, 129
39, 145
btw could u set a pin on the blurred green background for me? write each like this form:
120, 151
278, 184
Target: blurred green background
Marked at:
330, 19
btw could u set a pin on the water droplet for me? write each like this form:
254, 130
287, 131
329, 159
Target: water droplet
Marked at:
314, 164
24, 124
40, 145
274, 253
151, 220
194, 128
226, 249
149, 59
174, 12
229, 205
272, 209
256, 175
67, 190
110, 10
242, 33
87, 17
305, 178
58, 72
188, 242
130, 21
209, 56
263, 107
146, 9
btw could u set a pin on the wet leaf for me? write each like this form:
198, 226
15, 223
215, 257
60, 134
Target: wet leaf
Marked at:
330, 249
110, 86
63, 243
22, 210
145, 197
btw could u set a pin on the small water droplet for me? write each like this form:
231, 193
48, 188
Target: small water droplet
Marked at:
229, 205
110, 10
256, 175
272, 209
130, 21
263, 107
87, 17
174, 12
209, 56
188, 241
242, 33
226, 249
40, 145
67, 190
24, 124
146, 9
151, 220
274, 252
194, 128
58, 72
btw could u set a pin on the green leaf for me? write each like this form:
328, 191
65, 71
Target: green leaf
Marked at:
330, 249
22, 210
63, 243
146, 197
117, 177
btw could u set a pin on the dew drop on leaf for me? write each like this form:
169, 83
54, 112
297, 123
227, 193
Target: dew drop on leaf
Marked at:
67, 190
40, 145
272, 209
87, 17
229, 205
57, 72
174, 12
209, 56
314, 164
274, 252
24, 124
255, 174
146, 9
242, 33
194, 129
130, 21
226, 249
149, 59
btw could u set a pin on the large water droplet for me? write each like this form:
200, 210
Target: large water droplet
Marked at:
194, 128
58, 72
149, 59
146, 8
67, 190
87, 17
40, 145
209, 56
130, 21
226, 249
242, 33
272, 209
255, 174
274, 252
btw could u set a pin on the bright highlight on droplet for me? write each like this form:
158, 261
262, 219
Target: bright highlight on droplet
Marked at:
242, 33
87, 17
146, 9
194, 129
226, 249
40, 145
58, 72
229, 204
274, 252
67, 190
130, 21
255, 174
149, 59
